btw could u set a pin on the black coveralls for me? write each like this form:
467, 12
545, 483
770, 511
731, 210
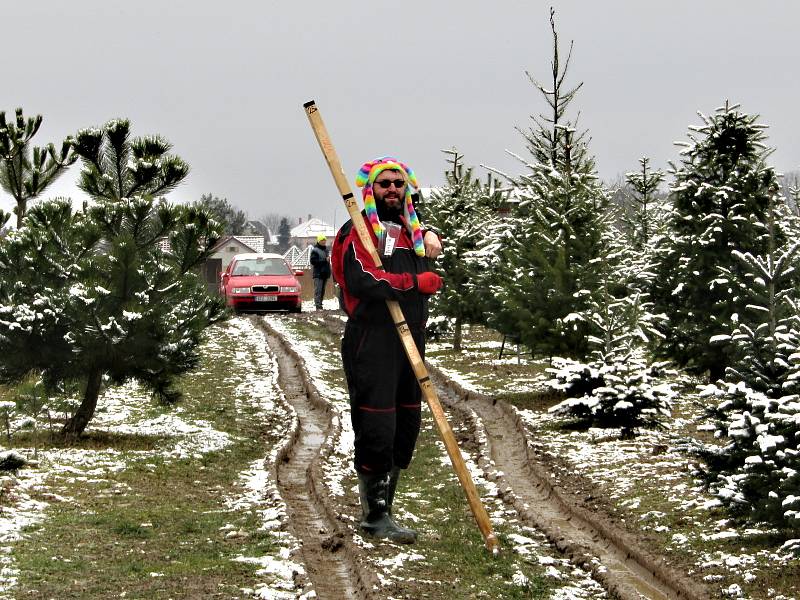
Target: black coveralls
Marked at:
384, 393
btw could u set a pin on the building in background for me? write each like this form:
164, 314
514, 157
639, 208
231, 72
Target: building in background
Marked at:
305, 234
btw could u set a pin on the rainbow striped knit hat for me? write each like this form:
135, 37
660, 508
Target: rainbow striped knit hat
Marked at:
366, 177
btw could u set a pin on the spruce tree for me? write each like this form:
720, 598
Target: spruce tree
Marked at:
26, 171
548, 251
756, 472
720, 197
88, 295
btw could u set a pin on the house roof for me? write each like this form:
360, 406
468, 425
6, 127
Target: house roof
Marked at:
255, 243
312, 228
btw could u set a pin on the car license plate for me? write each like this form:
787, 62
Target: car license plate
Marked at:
266, 298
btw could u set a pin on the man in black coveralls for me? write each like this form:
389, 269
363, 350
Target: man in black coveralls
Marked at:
385, 398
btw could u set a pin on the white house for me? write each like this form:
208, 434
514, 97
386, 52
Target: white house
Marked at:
305, 234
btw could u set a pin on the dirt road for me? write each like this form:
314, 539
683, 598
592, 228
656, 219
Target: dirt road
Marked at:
336, 565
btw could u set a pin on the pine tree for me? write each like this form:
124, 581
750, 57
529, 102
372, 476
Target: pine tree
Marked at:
25, 171
88, 295
720, 197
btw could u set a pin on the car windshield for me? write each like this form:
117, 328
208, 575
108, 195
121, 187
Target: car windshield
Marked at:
261, 266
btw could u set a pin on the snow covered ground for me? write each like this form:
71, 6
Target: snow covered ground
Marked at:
653, 469
632, 472
127, 410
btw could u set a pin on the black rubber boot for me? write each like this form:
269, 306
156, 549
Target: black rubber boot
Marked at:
394, 476
375, 519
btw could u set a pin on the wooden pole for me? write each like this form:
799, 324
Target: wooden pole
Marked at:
417, 364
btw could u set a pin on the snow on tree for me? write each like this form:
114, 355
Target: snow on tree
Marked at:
458, 212
756, 473
547, 251
757, 412
626, 393
617, 387
25, 171
720, 195
89, 294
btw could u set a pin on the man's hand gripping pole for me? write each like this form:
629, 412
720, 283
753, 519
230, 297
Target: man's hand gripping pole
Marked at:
417, 364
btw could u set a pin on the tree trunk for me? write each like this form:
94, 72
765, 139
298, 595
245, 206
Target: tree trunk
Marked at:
21, 209
78, 422
716, 372
457, 335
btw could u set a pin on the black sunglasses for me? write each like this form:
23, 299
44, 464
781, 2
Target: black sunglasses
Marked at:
385, 183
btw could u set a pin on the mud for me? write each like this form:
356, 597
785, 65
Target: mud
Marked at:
327, 551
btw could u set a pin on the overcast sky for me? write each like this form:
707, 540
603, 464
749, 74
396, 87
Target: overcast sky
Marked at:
225, 82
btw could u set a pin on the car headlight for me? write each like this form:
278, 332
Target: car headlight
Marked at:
292, 289
241, 290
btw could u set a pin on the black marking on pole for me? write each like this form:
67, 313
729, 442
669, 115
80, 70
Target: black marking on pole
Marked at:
347, 196
309, 103
424, 379
399, 324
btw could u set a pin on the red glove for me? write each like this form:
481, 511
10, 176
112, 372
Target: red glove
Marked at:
428, 282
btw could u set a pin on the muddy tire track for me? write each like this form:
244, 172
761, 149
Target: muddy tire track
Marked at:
626, 569
329, 555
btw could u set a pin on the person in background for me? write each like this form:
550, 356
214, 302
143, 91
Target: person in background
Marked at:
385, 397
321, 269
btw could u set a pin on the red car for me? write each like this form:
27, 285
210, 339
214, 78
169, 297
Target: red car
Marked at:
258, 282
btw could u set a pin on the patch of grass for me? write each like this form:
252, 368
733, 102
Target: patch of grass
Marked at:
531, 400
450, 539
92, 440
158, 529
479, 361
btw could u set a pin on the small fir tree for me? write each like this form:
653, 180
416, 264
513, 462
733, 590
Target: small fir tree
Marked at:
26, 171
617, 388
644, 185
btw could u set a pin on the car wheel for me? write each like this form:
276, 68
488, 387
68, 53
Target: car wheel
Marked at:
296, 309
